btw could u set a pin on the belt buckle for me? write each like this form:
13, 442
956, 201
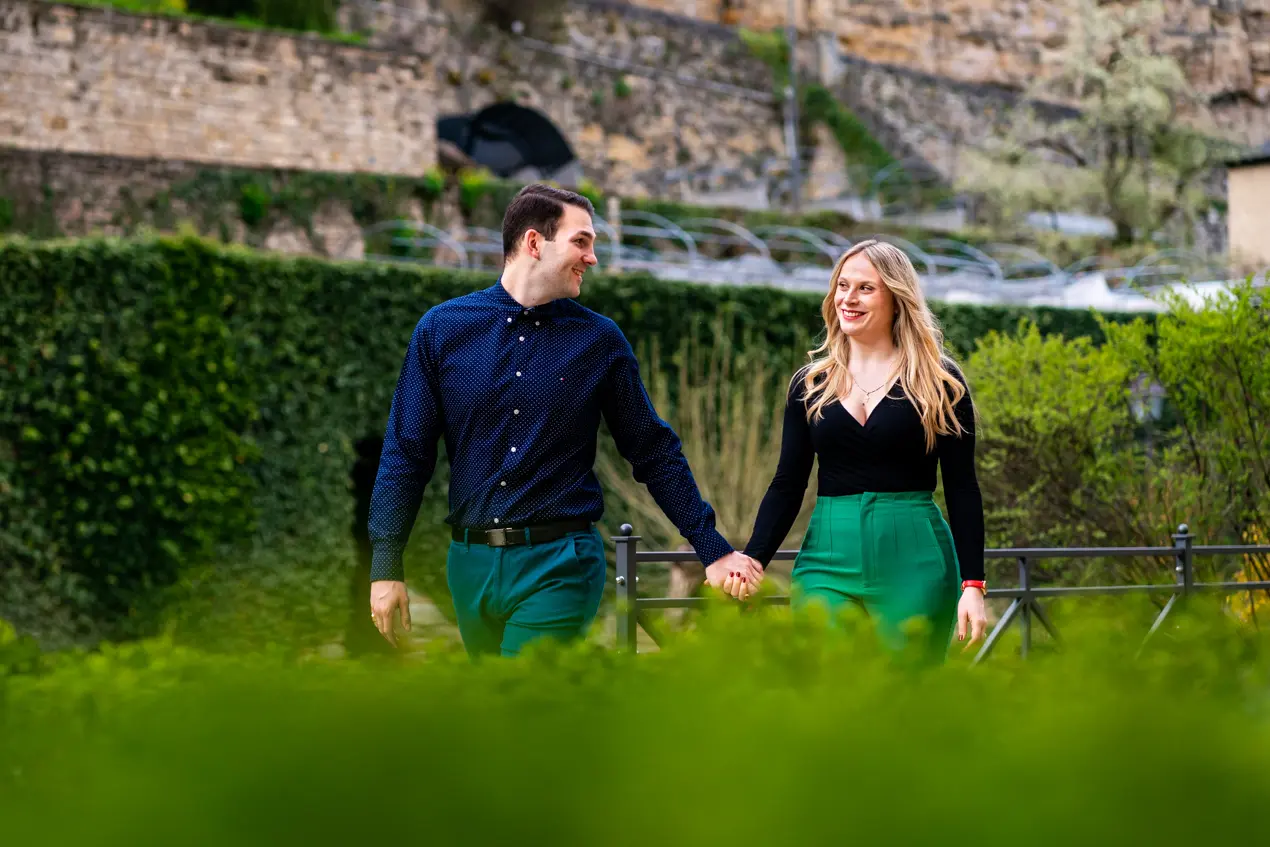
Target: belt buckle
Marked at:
496, 537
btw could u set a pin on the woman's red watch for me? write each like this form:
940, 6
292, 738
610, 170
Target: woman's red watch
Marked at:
982, 585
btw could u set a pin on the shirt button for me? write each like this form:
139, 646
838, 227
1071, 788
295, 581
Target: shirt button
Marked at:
503, 483
535, 323
513, 449
509, 320
522, 338
515, 411
517, 373
495, 520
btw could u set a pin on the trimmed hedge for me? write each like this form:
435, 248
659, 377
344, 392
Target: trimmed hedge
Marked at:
163, 398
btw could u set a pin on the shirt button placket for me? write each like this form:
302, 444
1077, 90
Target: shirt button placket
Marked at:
502, 483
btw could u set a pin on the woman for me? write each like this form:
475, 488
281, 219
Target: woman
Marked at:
880, 405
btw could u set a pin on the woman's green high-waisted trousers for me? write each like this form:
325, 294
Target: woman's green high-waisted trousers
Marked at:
891, 554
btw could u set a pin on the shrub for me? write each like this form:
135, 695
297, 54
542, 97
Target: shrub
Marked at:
125, 414
304, 15
815, 736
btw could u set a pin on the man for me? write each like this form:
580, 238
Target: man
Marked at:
516, 378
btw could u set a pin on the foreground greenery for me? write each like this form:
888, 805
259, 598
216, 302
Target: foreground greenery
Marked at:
757, 730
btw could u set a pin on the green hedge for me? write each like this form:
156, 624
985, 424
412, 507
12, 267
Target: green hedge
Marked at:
162, 399
760, 733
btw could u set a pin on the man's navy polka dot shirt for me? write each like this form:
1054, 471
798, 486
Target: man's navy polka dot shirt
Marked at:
518, 394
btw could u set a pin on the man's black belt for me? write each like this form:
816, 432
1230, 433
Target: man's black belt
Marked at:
513, 536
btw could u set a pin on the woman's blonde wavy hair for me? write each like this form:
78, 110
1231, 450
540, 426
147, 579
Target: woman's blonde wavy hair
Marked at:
925, 370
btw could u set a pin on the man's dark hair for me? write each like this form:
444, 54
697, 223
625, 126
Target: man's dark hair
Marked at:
537, 207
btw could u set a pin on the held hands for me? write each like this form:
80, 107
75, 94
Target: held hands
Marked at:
386, 597
735, 574
970, 612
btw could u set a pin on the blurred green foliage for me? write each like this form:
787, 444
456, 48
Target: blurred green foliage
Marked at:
756, 730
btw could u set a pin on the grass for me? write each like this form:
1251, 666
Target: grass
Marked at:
757, 729
177, 9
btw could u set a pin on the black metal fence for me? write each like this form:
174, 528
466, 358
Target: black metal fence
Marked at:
1024, 598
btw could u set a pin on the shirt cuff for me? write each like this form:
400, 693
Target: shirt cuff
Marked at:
385, 563
710, 546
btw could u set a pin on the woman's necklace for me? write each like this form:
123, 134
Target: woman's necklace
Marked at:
868, 395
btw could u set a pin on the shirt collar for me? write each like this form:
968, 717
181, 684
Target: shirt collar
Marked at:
506, 303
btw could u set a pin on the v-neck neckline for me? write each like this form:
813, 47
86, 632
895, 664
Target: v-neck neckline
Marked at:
868, 418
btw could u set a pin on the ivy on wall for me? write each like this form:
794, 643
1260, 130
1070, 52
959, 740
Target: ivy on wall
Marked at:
816, 104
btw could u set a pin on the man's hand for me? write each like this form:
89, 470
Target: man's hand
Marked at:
736, 574
386, 597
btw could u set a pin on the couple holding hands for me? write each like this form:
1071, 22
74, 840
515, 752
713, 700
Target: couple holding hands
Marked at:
517, 378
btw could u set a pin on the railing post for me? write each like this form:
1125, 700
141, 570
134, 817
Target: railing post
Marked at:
627, 612
1183, 543
1025, 610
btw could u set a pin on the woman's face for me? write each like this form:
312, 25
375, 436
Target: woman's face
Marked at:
865, 306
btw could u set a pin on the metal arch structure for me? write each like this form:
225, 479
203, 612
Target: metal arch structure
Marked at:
434, 237
916, 255
1148, 264
830, 237
995, 272
1087, 265
971, 259
662, 228
1012, 257
746, 237
615, 251
810, 238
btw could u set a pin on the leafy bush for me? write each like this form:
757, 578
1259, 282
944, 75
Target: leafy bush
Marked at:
223, 8
1069, 456
817, 738
304, 15
125, 411
165, 400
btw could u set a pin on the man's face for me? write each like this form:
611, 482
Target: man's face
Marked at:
566, 258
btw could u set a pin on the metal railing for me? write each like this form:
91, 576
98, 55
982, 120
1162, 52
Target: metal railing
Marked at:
1024, 598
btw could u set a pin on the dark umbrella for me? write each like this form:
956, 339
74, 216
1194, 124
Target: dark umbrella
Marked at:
506, 137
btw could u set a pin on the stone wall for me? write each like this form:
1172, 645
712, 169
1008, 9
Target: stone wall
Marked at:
638, 95
642, 97
50, 193
1223, 44
95, 80
928, 119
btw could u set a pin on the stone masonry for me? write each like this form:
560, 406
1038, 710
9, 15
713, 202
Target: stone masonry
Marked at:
1224, 45
637, 97
93, 80
641, 97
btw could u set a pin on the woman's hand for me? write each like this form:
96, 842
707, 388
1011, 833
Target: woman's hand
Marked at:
739, 586
971, 613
